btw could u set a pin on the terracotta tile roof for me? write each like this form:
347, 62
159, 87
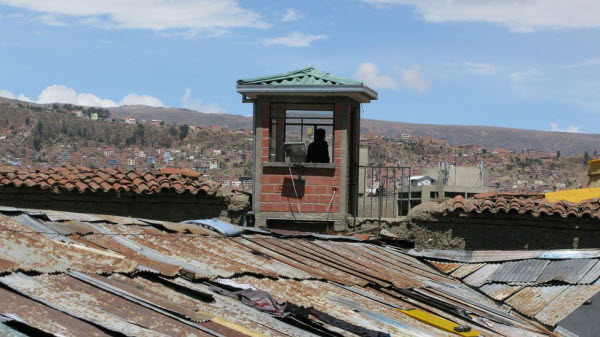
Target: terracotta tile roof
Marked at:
535, 205
82, 179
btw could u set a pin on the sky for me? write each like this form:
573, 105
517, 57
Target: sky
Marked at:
532, 64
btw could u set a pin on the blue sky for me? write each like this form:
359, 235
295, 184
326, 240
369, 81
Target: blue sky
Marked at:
516, 63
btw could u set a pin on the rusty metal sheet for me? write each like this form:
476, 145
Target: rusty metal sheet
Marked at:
146, 249
592, 275
310, 268
446, 267
66, 216
525, 271
499, 291
339, 273
357, 260
144, 263
70, 227
32, 251
481, 275
125, 286
530, 300
466, 270
476, 256
344, 305
566, 303
232, 310
181, 227
569, 271
410, 271
43, 317
89, 303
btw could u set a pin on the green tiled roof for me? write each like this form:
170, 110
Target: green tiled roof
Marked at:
304, 76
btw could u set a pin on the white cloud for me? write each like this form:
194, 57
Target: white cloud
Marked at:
570, 128
411, 78
290, 15
62, 94
481, 68
295, 39
6, 94
519, 76
158, 15
197, 104
517, 15
9, 94
135, 99
369, 74
24, 98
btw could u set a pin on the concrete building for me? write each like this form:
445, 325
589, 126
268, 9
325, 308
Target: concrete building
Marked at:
445, 180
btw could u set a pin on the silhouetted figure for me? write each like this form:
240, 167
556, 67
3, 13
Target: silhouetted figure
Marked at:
318, 150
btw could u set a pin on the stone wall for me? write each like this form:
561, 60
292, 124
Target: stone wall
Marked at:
169, 206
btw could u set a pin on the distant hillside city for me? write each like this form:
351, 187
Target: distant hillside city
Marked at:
35, 136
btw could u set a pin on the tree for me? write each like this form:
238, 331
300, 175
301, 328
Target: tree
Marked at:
183, 131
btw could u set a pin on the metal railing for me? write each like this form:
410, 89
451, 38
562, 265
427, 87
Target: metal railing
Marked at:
382, 191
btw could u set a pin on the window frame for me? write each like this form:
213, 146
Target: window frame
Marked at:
279, 111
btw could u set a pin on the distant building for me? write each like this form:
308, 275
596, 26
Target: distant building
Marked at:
130, 120
94, 116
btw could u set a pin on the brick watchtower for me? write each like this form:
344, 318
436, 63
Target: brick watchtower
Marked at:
289, 109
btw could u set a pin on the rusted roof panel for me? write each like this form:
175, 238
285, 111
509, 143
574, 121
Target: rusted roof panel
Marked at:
569, 271
566, 303
480, 276
345, 305
232, 310
530, 300
499, 291
44, 318
519, 271
91, 304
33, 251
446, 267
466, 270
476, 256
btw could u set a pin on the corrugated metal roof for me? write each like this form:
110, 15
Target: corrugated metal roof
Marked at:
445, 267
372, 279
530, 300
499, 291
466, 270
480, 276
592, 275
569, 271
565, 303
519, 272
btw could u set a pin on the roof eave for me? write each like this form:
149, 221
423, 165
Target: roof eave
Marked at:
360, 92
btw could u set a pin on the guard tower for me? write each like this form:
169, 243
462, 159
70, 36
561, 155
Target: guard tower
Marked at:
289, 110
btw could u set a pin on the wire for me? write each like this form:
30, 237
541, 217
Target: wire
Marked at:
298, 200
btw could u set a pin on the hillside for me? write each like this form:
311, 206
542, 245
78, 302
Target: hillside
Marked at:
488, 136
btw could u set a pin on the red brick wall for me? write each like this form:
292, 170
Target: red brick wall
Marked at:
277, 194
